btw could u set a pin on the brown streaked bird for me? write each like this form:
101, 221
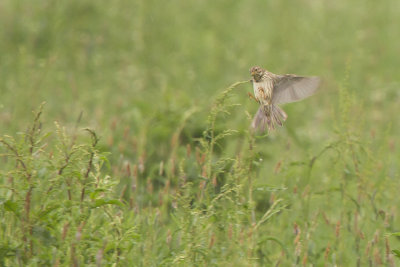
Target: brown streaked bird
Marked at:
271, 89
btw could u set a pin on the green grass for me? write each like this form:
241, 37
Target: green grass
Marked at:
166, 172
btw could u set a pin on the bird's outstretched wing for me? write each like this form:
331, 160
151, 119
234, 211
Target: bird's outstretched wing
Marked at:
291, 88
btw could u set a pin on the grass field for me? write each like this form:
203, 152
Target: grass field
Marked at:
138, 151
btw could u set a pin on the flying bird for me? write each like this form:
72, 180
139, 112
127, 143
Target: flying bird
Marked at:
271, 90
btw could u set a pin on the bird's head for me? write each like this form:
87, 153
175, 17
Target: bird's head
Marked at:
256, 72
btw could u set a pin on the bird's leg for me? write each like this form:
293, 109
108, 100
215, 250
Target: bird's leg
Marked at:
251, 96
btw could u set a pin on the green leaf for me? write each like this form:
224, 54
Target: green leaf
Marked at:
11, 206
48, 210
396, 252
101, 202
96, 192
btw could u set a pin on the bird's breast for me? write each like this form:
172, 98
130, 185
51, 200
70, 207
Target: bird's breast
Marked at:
263, 91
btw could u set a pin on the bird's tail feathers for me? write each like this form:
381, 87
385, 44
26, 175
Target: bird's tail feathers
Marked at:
268, 116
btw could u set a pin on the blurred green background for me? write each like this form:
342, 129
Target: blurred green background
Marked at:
143, 73
133, 68
135, 60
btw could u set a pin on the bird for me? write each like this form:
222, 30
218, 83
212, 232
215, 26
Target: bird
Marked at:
271, 90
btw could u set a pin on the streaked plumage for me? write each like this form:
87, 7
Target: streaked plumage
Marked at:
272, 89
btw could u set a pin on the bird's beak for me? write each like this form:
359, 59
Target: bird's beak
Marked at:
253, 73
